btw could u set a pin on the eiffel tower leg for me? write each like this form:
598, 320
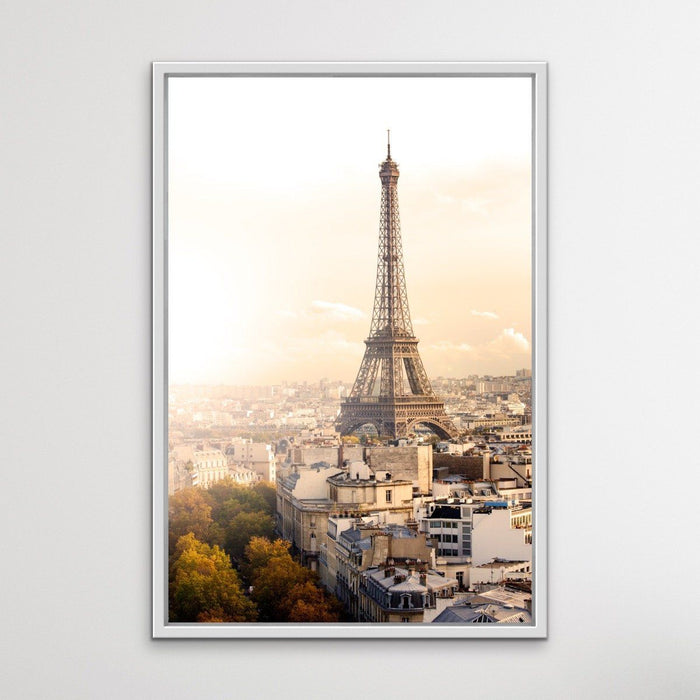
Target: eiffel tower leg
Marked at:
367, 376
417, 378
386, 386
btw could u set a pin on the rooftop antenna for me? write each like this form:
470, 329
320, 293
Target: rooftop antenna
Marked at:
388, 143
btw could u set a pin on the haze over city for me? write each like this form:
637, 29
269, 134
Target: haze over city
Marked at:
274, 209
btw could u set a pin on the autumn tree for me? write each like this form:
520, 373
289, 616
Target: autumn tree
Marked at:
204, 587
259, 552
308, 603
272, 585
188, 512
283, 589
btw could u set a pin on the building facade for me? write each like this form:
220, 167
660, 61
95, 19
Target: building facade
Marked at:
392, 593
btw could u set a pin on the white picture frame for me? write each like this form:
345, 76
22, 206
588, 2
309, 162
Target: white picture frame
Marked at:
162, 73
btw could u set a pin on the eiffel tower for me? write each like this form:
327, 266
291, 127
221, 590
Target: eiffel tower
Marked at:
392, 390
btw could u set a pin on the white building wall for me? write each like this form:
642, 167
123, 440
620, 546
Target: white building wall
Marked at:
257, 456
492, 537
312, 482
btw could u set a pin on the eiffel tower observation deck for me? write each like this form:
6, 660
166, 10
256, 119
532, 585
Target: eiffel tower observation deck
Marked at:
392, 390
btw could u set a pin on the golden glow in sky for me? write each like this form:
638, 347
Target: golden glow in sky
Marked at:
274, 218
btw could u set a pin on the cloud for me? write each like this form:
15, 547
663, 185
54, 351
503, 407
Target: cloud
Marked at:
285, 313
509, 341
509, 344
484, 314
336, 310
420, 321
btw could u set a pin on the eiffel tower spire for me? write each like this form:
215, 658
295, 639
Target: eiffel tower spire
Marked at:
392, 390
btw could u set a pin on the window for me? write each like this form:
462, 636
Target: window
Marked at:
388, 495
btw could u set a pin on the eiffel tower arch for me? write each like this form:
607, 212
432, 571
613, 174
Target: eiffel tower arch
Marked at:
392, 390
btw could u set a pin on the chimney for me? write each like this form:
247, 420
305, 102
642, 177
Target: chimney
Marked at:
423, 578
486, 472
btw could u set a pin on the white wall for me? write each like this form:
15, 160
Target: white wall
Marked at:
312, 482
492, 536
75, 283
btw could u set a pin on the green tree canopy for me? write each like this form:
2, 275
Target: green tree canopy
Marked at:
242, 528
222, 490
269, 495
204, 587
216, 535
228, 499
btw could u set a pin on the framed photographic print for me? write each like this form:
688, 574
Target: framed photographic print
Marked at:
349, 350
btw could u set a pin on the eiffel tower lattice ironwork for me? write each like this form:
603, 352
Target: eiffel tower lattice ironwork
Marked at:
392, 390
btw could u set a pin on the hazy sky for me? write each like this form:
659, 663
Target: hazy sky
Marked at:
274, 218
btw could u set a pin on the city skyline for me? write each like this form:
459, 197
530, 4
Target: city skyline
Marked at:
333, 382
274, 214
